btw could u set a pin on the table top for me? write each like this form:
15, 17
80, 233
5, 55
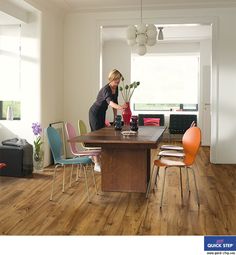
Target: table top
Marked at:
146, 135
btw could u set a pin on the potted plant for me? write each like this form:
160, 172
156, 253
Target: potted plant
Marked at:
126, 93
38, 154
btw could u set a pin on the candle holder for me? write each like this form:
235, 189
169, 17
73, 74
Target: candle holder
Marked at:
134, 123
118, 123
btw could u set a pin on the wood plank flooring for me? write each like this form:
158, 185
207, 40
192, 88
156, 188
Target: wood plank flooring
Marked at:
25, 208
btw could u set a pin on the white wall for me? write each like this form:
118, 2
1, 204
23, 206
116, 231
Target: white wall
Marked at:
52, 75
82, 52
226, 107
116, 55
81, 65
205, 89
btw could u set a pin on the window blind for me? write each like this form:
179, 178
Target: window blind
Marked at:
166, 78
9, 62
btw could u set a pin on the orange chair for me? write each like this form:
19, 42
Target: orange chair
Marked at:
191, 143
169, 147
2, 165
169, 150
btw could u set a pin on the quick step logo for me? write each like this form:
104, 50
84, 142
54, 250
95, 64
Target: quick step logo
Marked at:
220, 243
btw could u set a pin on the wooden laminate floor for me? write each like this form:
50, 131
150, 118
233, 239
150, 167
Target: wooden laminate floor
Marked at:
25, 208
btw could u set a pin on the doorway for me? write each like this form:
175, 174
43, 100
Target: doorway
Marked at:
178, 38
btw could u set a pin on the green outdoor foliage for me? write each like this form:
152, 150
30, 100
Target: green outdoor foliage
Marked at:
15, 106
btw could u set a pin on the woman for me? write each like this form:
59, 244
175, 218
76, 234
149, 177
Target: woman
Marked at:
108, 95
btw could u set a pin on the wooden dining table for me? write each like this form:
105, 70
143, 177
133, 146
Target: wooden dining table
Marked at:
125, 160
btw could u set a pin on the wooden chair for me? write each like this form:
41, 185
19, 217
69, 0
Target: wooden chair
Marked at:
170, 147
191, 143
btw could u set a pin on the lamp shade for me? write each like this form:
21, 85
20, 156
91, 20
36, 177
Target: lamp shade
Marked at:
131, 32
141, 39
143, 35
151, 27
152, 34
141, 29
151, 41
160, 34
141, 50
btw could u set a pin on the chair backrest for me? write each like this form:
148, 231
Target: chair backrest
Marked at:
2, 165
55, 143
82, 128
71, 133
142, 116
179, 123
82, 131
191, 143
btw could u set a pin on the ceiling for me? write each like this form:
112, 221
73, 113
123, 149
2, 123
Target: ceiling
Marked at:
7, 19
171, 32
92, 5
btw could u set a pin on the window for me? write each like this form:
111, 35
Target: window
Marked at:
15, 105
10, 63
168, 82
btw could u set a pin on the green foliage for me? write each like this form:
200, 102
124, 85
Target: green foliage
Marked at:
128, 90
15, 107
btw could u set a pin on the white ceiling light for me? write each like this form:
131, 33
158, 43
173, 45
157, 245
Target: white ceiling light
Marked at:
142, 35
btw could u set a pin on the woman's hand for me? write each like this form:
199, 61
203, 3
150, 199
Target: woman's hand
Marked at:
122, 107
118, 107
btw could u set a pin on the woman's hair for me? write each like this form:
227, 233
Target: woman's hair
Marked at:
115, 74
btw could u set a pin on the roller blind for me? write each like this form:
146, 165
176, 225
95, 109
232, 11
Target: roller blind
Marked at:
166, 78
9, 62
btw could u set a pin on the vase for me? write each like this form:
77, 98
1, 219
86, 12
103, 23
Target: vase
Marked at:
126, 114
38, 160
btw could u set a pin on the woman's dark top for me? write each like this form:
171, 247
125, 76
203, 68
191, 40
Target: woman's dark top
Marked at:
97, 112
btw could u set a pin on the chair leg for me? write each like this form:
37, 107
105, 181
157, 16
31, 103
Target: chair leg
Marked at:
181, 185
163, 186
63, 181
195, 183
77, 173
86, 181
71, 173
187, 179
150, 180
53, 181
157, 175
94, 181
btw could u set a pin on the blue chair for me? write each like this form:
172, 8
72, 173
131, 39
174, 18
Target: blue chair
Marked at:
55, 144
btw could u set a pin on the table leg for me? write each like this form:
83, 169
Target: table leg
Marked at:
125, 170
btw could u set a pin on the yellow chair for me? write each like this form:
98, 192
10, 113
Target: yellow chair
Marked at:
83, 131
